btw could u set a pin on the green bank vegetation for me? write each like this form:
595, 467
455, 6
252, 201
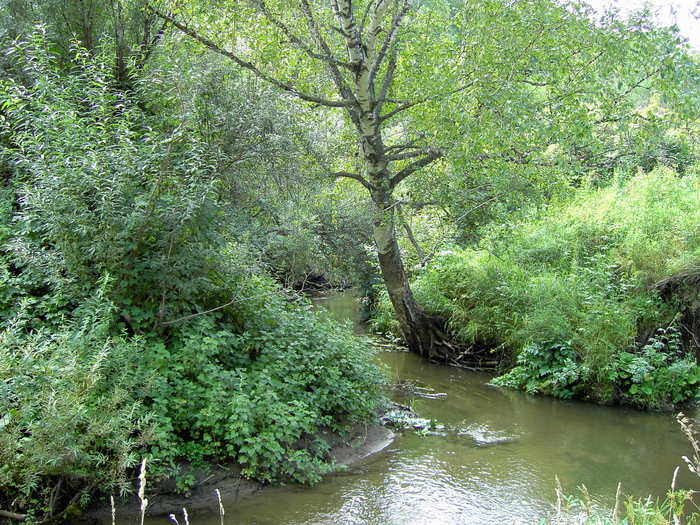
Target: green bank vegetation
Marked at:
135, 321
171, 171
592, 296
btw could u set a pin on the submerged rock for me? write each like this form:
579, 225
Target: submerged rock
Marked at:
483, 436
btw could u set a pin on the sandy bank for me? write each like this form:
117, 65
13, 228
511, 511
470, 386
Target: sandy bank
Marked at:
365, 441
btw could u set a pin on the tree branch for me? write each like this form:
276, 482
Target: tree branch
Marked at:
431, 154
149, 44
474, 208
326, 57
386, 83
388, 41
13, 515
348, 28
409, 233
584, 66
408, 155
234, 301
516, 157
354, 176
403, 147
334, 70
375, 29
251, 67
404, 105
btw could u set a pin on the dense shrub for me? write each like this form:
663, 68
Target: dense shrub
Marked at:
79, 407
258, 395
102, 187
568, 296
69, 420
135, 323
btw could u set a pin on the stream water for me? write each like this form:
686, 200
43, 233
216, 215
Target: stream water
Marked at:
496, 462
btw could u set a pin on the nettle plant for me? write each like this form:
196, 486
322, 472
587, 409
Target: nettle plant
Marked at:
657, 374
547, 368
653, 375
262, 396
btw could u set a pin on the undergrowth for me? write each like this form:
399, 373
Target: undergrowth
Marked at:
566, 297
80, 407
133, 322
69, 421
259, 395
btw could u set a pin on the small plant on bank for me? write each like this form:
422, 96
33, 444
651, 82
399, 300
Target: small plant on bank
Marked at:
677, 508
549, 369
657, 372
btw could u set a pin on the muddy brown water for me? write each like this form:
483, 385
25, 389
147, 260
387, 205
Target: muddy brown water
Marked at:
495, 462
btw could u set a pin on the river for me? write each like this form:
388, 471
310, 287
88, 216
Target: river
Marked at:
495, 462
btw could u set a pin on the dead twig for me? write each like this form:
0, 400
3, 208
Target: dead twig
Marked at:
234, 301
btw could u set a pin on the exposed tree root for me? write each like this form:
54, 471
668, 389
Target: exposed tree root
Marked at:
682, 292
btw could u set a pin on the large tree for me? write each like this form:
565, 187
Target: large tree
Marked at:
416, 79
358, 56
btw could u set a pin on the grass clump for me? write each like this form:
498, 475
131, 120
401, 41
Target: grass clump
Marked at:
677, 508
569, 300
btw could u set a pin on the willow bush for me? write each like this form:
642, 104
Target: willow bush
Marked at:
102, 187
69, 421
134, 324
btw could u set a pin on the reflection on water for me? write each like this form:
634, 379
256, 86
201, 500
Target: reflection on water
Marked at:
341, 306
496, 462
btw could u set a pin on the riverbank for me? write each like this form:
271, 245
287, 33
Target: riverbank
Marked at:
163, 500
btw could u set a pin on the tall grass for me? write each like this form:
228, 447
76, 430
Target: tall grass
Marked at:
566, 295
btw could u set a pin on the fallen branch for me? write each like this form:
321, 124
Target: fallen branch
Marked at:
13, 515
58, 517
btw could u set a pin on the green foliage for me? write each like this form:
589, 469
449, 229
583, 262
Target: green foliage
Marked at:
222, 365
124, 30
567, 296
257, 397
514, 89
83, 406
539, 111
272, 156
99, 190
657, 371
547, 369
69, 424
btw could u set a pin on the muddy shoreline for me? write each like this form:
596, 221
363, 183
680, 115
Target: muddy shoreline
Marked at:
364, 441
